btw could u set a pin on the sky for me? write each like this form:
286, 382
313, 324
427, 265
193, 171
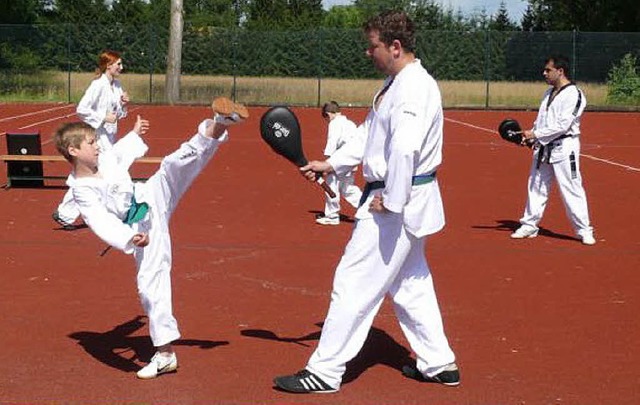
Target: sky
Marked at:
515, 8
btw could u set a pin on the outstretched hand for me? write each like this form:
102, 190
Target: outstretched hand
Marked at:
141, 127
315, 166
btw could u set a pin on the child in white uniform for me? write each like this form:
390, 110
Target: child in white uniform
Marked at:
102, 105
340, 130
134, 217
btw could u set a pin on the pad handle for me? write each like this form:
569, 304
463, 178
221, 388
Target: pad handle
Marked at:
324, 185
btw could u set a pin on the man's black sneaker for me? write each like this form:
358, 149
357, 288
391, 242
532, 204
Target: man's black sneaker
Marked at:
303, 382
450, 376
65, 225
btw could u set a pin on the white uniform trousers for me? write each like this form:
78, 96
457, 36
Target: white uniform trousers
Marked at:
68, 209
381, 257
571, 189
341, 186
162, 192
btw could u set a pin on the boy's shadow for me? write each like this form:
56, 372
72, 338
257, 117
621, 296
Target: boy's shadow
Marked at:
508, 225
75, 228
379, 348
117, 349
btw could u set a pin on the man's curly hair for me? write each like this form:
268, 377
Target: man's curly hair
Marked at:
393, 25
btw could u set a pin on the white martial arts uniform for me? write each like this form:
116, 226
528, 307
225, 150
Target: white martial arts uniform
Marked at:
104, 203
338, 133
385, 254
101, 97
557, 129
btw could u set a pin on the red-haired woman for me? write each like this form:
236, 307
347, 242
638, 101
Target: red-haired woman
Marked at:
102, 105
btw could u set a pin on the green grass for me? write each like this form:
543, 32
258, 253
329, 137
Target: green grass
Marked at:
143, 88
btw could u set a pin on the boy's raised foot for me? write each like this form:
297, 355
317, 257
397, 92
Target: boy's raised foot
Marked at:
228, 112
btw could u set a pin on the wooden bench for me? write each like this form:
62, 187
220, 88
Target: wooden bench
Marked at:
50, 158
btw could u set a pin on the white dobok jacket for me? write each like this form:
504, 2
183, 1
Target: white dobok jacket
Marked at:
104, 201
100, 98
560, 116
403, 138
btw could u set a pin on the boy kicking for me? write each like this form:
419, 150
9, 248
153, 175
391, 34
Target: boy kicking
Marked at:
134, 217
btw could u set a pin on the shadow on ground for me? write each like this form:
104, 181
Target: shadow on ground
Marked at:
509, 225
379, 348
117, 349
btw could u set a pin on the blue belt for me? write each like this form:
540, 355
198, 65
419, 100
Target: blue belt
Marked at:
415, 181
136, 212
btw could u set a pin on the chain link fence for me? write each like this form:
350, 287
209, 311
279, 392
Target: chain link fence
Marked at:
482, 69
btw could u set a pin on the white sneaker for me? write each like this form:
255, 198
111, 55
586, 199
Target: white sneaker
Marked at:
588, 239
328, 221
227, 112
160, 364
524, 232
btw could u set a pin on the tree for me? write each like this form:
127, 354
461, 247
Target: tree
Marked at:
427, 14
501, 21
211, 13
479, 21
343, 17
130, 12
159, 12
263, 15
283, 15
369, 8
174, 54
77, 11
306, 13
528, 19
583, 15
623, 84
20, 12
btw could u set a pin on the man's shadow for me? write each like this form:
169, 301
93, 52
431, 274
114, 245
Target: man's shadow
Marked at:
379, 348
319, 214
117, 349
508, 225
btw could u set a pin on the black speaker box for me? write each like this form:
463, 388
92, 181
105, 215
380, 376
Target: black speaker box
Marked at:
24, 144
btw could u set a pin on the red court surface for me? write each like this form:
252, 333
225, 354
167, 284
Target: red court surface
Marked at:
539, 321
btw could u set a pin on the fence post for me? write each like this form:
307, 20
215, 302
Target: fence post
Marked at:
151, 58
319, 64
487, 56
234, 63
68, 65
574, 61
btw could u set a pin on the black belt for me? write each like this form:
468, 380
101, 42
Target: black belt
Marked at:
415, 181
544, 152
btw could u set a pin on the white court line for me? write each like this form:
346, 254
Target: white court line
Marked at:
54, 119
64, 116
49, 120
466, 124
43, 122
13, 117
631, 168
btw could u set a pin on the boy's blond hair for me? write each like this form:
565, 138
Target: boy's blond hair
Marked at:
71, 134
